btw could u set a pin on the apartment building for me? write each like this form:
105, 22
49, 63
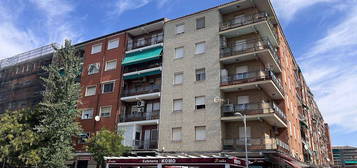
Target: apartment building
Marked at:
141, 86
230, 60
344, 156
20, 83
182, 86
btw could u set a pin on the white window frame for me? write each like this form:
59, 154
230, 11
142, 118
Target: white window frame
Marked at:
197, 51
95, 64
200, 136
83, 114
180, 28
108, 82
110, 61
117, 40
86, 93
173, 105
198, 102
110, 112
99, 50
200, 72
177, 56
176, 137
182, 78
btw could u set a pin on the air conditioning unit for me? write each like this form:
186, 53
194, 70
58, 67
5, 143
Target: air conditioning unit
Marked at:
228, 108
140, 103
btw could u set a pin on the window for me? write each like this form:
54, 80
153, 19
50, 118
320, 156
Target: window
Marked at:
200, 102
200, 133
180, 28
87, 114
178, 78
140, 42
200, 23
242, 134
93, 68
90, 90
113, 44
82, 139
108, 87
179, 52
176, 134
243, 102
110, 65
200, 48
105, 111
177, 105
96, 48
200, 74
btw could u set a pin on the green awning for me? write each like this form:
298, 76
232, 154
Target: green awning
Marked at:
142, 56
155, 72
351, 161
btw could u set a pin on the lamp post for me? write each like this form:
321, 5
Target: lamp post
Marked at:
245, 138
220, 100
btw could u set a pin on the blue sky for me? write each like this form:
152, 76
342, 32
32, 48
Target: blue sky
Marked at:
322, 35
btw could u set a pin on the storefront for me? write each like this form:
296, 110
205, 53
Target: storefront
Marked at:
174, 162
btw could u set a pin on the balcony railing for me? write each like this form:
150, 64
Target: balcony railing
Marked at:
146, 41
251, 77
252, 109
246, 20
145, 144
141, 90
250, 45
140, 116
142, 67
255, 144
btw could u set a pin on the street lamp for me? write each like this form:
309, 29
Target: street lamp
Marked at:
245, 137
220, 100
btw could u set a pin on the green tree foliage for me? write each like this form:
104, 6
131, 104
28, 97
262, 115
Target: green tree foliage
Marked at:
106, 143
58, 110
18, 142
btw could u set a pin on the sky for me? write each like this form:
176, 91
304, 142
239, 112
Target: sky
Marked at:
322, 35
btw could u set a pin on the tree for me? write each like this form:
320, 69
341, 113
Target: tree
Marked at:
18, 142
106, 143
58, 109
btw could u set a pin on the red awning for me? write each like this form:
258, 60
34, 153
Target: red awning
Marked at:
113, 162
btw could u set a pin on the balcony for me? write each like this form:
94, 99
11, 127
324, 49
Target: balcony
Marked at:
141, 93
269, 112
250, 23
139, 116
145, 41
265, 80
255, 144
147, 69
250, 49
145, 144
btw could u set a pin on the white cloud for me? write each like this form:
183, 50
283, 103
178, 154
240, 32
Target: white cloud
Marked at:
330, 66
52, 24
286, 9
126, 5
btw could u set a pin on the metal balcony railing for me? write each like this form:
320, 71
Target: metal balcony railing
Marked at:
246, 20
144, 66
140, 116
255, 144
248, 46
251, 77
252, 109
141, 90
146, 41
145, 144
